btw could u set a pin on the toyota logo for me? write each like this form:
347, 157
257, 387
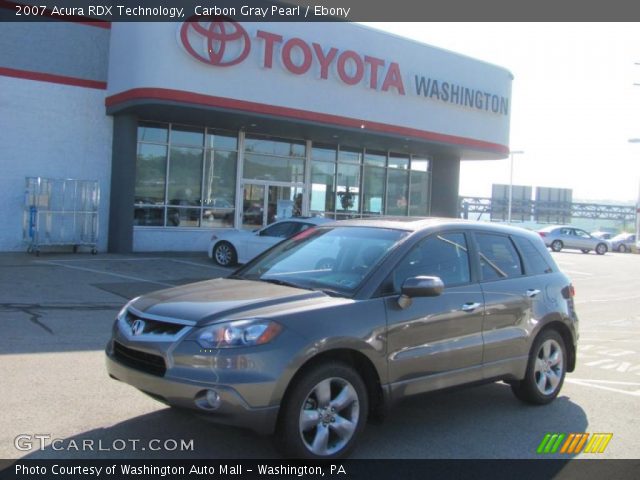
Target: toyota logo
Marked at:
137, 327
220, 42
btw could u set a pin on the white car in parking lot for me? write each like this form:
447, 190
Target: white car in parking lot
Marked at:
231, 246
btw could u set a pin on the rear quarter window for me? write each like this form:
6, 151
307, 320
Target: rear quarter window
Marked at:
534, 261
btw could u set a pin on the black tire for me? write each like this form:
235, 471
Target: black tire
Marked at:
556, 245
585, 250
338, 417
622, 248
224, 254
544, 378
601, 249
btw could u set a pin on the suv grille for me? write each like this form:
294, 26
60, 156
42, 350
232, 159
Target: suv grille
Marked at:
154, 327
145, 362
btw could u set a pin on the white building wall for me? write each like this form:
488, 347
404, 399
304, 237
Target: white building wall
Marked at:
50, 130
160, 239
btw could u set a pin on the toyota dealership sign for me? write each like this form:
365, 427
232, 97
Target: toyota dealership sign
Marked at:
224, 43
335, 73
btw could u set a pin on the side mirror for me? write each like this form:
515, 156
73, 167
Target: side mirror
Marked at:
419, 287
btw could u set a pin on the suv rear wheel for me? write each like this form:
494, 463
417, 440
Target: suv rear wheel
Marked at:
545, 370
324, 413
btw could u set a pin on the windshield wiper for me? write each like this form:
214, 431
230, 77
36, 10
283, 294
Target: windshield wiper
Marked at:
284, 283
330, 292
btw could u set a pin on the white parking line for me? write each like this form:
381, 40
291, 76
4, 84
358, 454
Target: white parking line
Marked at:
610, 299
612, 331
597, 384
195, 264
575, 272
119, 275
106, 259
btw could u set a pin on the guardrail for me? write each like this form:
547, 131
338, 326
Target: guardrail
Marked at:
546, 212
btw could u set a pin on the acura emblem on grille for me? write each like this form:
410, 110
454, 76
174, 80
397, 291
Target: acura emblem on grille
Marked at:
137, 327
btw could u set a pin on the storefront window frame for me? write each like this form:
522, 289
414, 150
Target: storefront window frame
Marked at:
206, 150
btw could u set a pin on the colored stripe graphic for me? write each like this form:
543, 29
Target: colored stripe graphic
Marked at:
574, 443
598, 442
543, 443
550, 443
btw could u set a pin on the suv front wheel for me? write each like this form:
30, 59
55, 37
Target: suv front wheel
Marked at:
324, 413
545, 370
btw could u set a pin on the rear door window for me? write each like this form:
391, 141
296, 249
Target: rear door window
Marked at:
498, 257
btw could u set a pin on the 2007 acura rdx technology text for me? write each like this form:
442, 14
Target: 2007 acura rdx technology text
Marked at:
328, 328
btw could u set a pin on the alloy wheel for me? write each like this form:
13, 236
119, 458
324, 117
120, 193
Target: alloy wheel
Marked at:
549, 367
223, 254
329, 416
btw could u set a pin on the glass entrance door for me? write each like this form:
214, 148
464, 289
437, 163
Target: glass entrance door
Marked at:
263, 204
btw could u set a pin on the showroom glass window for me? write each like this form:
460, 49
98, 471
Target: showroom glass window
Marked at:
373, 183
419, 187
275, 160
354, 183
348, 183
185, 176
323, 179
398, 185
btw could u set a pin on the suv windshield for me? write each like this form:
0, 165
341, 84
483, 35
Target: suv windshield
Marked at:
332, 259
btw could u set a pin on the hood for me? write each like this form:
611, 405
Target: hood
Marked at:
212, 300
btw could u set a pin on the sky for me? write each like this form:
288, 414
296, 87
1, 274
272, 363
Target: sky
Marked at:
573, 109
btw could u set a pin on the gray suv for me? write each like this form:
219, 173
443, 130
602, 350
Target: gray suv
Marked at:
333, 326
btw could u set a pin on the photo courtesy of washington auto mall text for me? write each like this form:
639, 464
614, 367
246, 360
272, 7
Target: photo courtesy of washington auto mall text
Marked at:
185, 470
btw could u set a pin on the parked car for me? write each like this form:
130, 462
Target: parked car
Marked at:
231, 246
566, 236
623, 243
218, 208
602, 235
309, 342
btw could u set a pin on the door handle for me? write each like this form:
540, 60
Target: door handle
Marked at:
532, 292
470, 307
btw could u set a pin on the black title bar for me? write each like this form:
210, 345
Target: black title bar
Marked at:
321, 10
347, 469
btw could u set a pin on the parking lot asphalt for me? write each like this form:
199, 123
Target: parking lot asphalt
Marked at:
56, 312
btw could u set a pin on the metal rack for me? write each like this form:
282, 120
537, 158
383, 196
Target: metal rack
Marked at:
60, 212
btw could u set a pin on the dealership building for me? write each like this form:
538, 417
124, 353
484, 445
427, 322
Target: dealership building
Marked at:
194, 126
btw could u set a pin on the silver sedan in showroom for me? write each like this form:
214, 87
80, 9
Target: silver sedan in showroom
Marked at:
332, 327
567, 237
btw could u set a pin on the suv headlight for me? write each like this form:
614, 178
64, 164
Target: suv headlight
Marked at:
240, 333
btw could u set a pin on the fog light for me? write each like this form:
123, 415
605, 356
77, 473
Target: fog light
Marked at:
208, 400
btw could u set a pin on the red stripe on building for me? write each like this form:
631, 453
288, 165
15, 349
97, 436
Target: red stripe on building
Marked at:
260, 108
52, 78
49, 14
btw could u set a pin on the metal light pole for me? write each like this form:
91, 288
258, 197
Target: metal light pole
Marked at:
637, 140
511, 154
